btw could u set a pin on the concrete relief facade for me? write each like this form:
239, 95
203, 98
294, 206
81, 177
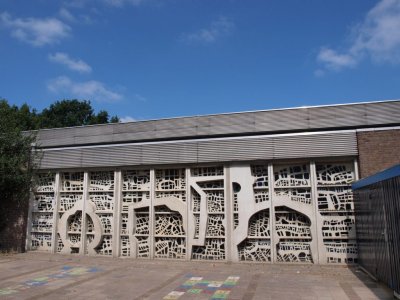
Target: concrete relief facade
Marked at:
262, 212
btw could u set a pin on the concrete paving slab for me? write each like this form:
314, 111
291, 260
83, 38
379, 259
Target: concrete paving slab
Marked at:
46, 276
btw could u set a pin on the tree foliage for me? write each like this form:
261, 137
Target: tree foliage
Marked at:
64, 113
67, 113
16, 157
17, 160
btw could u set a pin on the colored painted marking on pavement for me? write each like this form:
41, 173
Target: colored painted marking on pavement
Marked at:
197, 285
66, 272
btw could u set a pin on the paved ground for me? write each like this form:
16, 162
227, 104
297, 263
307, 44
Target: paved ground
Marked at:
44, 276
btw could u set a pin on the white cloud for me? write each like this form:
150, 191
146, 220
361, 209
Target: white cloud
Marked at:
127, 119
66, 15
115, 3
377, 37
72, 64
120, 3
335, 61
319, 73
216, 30
89, 90
37, 32
140, 98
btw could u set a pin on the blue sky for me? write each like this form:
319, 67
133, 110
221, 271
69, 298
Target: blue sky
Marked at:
147, 59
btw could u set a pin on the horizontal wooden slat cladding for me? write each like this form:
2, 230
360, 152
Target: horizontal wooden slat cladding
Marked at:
203, 151
259, 122
281, 120
234, 149
331, 144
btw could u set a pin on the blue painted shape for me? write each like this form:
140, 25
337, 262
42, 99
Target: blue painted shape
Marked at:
186, 286
93, 270
59, 275
227, 286
378, 177
35, 283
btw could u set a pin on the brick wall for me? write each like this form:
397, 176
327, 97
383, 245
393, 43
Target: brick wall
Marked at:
378, 150
13, 216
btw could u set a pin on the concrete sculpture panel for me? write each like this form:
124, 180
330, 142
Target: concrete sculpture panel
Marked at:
266, 212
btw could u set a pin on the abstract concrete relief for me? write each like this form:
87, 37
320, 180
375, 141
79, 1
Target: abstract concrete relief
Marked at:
252, 223
43, 213
293, 214
100, 213
170, 214
336, 210
257, 245
69, 229
207, 213
135, 214
80, 223
294, 232
298, 212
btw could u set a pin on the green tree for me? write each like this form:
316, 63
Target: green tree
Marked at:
101, 118
68, 113
114, 119
16, 160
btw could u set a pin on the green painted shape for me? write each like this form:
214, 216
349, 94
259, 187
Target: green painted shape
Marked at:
41, 279
194, 291
7, 291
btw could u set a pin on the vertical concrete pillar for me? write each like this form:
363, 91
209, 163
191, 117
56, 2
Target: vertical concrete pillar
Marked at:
117, 212
56, 208
189, 224
271, 211
228, 213
151, 211
317, 243
82, 249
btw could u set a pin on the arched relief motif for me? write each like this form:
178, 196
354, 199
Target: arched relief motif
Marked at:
257, 245
169, 232
70, 230
293, 230
251, 236
295, 221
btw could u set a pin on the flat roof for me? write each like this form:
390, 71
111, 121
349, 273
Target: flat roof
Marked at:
287, 120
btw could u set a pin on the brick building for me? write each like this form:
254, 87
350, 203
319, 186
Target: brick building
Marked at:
271, 186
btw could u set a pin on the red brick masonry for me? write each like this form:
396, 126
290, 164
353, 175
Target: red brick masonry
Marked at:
378, 150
